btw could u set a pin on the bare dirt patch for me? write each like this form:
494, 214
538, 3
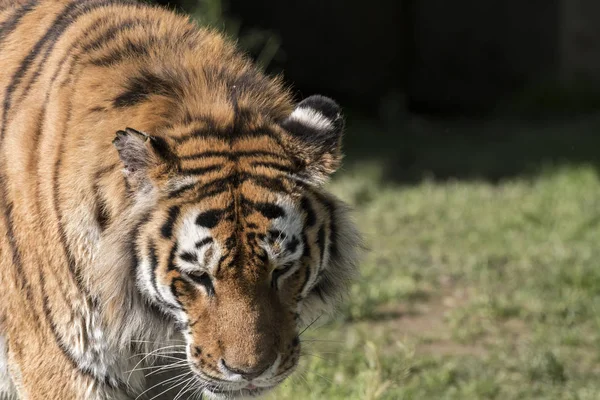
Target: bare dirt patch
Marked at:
426, 326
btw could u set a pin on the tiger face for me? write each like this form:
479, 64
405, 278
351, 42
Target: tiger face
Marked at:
242, 247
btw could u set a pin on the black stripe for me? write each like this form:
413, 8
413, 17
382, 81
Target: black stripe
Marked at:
175, 292
264, 131
331, 211
191, 258
233, 155
269, 210
102, 216
306, 255
220, 185
276, 166
209, 219
207, 130
311, 217
208, 154
307, 277
200, 170
228, 135
139, 88
72, 267
321, 244
220, 263
131, 48
66, 18
204, 242
6, 28
95, 44
101, 203
333, 245
171, 261
112, 32
60, 64
128, 50
210, 193
292, 245
277, 273
231, 242
275, 235
181, 190
11, 23
134, 236
212, 190
162, 148
167, 229
267, 182
154, 265
306, 251
14, 247
153, 270
102, 213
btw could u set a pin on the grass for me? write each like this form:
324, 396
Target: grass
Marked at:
483, 276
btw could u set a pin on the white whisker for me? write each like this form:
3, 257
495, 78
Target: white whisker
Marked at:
171, 388
175, 378
148, 355
183, 389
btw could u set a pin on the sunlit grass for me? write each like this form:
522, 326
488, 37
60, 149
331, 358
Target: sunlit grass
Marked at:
471, 289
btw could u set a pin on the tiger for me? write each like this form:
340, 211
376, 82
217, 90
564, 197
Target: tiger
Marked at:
158, 191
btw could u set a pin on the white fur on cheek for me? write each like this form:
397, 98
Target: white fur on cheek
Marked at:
145, 275
290, 226
312, 118
144, 278
188, 236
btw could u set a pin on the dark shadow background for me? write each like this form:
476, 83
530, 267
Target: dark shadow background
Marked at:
437, 89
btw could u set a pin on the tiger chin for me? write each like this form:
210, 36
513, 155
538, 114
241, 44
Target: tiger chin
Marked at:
161, 199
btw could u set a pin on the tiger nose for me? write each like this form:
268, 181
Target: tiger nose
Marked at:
248, 373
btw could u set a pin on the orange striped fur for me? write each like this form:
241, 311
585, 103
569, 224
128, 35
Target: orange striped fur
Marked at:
156, 189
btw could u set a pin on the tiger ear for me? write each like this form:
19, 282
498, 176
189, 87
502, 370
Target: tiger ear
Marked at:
139, 152
315, 129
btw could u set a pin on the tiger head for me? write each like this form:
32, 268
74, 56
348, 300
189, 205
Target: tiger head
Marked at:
242, 248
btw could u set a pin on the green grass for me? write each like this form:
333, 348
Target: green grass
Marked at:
483, 275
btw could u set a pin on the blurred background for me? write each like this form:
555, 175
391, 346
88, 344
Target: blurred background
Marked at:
472, 159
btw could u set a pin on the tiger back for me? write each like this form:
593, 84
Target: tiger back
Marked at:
157, 191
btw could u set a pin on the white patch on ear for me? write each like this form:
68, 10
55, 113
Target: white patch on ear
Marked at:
188, 235
311, 118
